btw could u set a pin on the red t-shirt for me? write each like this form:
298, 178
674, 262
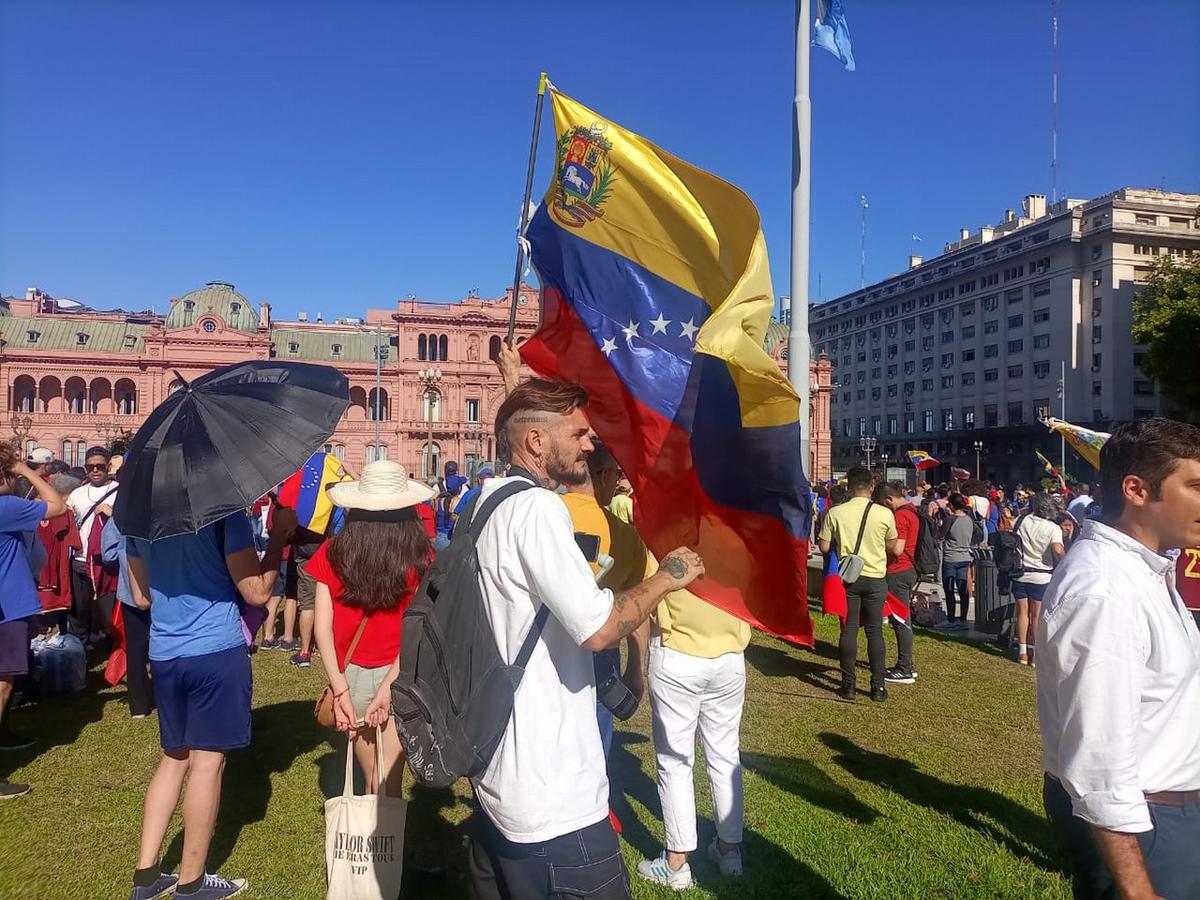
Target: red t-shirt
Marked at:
908, 527
1187, 577
380, 641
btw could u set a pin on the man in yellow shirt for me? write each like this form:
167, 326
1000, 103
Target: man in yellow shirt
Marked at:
867, 530
697, 679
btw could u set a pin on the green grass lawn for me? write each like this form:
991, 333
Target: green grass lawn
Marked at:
935, 793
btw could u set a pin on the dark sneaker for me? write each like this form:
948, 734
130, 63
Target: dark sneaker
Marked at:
9, 791
11, 741
290, 646
163, 886
214, 887
301, 660
879, 694
847, 692
269, 644
896, 675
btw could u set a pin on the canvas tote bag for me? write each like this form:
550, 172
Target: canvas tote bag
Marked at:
364, 837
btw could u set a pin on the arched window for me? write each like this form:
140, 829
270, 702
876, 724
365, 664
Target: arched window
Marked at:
75, 392
376, 452
80, 452
493, 346
125, 393
49, 393
377, 405
433, 406
444, 348
68, 452
99, 391
24, 394
421, 340
430, 463
339, 452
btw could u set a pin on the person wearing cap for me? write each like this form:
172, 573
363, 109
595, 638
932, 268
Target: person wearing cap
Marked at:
39, 460
366, 576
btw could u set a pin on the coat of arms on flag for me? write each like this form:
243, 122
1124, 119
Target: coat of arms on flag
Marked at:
585, 175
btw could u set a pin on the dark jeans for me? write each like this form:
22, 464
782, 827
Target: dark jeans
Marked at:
137, 657
1169, 850
864, 599
85, 617
584, 863
901, 584
954, 575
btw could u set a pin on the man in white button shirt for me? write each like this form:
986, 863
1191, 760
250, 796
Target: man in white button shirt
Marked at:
1119, 677
545, 831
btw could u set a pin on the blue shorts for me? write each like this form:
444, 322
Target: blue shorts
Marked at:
203, 701
1027, 590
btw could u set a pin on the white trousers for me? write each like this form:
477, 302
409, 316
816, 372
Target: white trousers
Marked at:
686, 691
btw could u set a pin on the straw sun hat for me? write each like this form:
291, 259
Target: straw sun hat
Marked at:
384, 485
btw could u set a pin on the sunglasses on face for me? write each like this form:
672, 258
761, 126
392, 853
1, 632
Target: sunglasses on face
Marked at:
96, 467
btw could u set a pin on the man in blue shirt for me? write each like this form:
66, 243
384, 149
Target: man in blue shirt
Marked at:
201, 672
19, 603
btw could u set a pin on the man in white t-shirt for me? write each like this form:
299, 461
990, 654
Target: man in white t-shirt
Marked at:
545, 830
91, 500
1083, 499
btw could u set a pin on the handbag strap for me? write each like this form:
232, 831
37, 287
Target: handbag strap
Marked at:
354, 642
863, 527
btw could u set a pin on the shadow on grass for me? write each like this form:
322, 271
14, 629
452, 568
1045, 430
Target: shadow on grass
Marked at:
776, 663
281, 733
805, 780
989, 646
57, 719
771, 870
1021, 831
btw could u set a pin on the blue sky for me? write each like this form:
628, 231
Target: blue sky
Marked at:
331, 157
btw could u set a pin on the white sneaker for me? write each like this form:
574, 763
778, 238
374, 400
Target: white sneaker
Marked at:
657, 871
730, 863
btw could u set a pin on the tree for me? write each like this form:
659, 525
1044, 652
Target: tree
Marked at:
1166, 318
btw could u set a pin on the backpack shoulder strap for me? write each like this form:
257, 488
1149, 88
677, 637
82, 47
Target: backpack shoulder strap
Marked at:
478, 519
862, 528
535, 631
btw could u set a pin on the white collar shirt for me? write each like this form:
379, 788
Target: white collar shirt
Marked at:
1118, 691
548, 776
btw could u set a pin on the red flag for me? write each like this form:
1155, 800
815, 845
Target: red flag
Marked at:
833, 589
115, 668
894, 606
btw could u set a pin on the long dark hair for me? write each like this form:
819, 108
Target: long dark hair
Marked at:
380, 562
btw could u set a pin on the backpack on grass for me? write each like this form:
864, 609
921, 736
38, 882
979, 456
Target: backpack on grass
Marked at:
454, 695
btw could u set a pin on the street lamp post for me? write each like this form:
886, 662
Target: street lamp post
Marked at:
21, 426
378, 381
883, 461
429, 379
868, 447
978, 455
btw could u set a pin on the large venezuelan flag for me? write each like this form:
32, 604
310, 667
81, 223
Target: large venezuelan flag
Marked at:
307, 491
656, 298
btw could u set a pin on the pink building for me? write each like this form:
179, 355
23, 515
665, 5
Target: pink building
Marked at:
78, 377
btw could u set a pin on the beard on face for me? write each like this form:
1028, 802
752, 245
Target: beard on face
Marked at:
566, 467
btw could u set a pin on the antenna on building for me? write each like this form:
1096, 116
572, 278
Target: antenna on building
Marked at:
1054, 4
862, 265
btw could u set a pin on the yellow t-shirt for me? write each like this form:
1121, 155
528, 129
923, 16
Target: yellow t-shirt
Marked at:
622, 507
694, 626
841, 527
617, 539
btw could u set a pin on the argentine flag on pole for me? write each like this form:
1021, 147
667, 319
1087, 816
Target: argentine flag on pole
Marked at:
830, 31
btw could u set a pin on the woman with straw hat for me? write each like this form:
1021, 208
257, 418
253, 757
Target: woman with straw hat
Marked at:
366, 576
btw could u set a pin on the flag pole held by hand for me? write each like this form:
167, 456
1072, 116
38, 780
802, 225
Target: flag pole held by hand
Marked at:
533, 144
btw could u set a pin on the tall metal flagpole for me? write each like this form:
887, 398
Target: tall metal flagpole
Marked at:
798, 345
533, 143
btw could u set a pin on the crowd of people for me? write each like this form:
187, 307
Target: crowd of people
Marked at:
566, 579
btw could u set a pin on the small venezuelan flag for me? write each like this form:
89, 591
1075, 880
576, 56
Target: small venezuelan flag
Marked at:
656, 299
307, 492
1047, 465
922, 460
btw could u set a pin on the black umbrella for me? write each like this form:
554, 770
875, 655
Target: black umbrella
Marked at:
218, 444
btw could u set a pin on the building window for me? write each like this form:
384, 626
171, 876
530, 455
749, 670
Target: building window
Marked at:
927, 343
861, 356
32, 337
1041, 369
910, 388
1016, 371
1097, 306
1097, 249
968, 379
910, 423
1097, 388
68, 454
1041, 341
81, 338
860, 394
1143, 387
444, 348
1017, 321
892, 371
968, 417
1097, 359
1097, 333
968, 355
991, 327
927, 384
876, 372
947, 381
876, 425
1041, 289
947, 337
991, 351
926, 322
968, 332
967, 309
860, 377
891, 389
377, 405
335, 349
1145, 250
1016, 413
862, 425
339, 451
875, 393
1041, 315
928, 420
910, 367
947, 420
991, 416
991, 374
493, 347
1016, 346
909, 326
910, 346
293, 346
990, 302
80, 452
947, 360
1041, 409
472, 409
209, 326
892, 424
927, 364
